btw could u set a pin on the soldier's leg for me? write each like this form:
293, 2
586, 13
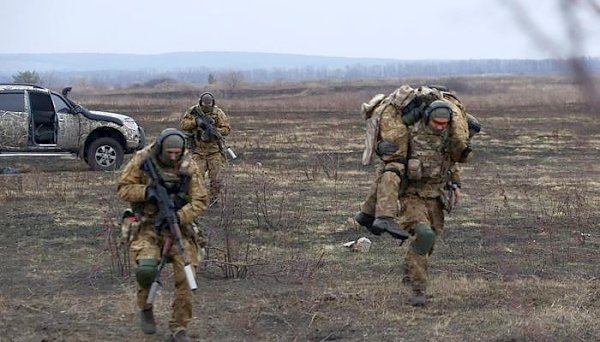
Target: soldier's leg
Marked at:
415, 215
201, 162
182, 305
386, 209
215, 173
366, 215
146, 252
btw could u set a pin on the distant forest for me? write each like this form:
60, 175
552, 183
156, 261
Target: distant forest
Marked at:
234, 76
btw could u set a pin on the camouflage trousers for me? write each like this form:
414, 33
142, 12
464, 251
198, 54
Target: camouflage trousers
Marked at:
382, 199
147, 244
213, 163
415, 210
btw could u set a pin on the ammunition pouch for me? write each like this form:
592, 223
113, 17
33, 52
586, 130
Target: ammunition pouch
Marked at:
415, 169
145, 272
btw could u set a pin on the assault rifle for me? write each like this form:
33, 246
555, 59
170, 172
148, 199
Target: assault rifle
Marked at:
210, 132
167, 218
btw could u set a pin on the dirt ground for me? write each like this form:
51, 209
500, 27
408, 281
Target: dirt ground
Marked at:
518, 261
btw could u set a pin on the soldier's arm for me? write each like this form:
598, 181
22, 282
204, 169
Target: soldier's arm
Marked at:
459, 132
197, 193
222, 122
392, 129
455, 179
455, 174
188, 121
132, 181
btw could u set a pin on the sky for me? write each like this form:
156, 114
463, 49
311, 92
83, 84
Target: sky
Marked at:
398, 29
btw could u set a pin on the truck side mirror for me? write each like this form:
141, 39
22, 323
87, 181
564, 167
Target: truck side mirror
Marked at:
66, 91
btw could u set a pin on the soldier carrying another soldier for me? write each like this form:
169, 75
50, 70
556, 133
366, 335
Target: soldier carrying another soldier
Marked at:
419, 134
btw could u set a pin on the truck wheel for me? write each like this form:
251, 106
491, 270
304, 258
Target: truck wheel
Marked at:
105, 154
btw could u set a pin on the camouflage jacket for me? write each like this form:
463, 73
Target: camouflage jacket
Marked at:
188, 124
133, 183
432, 162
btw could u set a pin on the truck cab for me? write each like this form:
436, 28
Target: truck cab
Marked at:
35, 120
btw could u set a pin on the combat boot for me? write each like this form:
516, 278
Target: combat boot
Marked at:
148, 323
180, 336
364, 219
418, 298
388, 224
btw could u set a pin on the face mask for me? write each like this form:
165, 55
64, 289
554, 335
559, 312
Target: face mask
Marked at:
206, 109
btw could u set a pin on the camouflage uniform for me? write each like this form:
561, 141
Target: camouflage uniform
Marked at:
207, 154
146, 243
426, 196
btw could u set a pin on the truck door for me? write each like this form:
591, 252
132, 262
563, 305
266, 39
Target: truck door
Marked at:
68, 125
14, 121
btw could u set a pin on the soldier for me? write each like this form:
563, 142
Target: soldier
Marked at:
202, 120
180, 175
394, 115
433, 186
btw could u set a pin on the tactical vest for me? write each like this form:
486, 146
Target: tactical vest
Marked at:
427, 152
177, 185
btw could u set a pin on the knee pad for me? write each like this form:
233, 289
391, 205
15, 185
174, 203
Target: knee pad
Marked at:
145, 272
425, 237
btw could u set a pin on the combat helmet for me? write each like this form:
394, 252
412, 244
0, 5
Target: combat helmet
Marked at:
438, 109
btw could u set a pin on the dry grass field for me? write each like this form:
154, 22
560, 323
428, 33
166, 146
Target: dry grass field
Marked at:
519, 261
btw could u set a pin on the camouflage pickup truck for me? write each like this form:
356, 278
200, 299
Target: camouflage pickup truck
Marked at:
38, 121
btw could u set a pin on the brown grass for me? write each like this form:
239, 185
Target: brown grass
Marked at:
518, 260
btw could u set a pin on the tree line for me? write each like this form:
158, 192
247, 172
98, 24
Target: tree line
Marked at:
232, 78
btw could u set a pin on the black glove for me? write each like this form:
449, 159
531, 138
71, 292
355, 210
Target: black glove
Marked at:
151, 195
385, 147
201, 124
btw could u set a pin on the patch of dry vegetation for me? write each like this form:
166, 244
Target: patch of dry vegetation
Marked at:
518, 260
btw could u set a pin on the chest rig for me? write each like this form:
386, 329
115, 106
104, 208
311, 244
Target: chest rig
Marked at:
427, 153
177, 185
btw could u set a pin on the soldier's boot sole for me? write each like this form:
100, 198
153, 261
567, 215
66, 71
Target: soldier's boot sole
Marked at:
148, 323
387, 224
366, 221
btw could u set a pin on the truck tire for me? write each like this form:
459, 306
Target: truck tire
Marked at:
105, 154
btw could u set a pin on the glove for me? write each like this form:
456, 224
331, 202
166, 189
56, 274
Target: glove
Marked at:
151, 195
474, 125
201, 124
385, 147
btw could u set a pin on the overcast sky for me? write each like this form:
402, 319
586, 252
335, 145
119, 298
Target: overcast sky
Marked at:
399, 29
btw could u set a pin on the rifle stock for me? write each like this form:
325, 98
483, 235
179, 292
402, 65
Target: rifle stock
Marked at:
166, 217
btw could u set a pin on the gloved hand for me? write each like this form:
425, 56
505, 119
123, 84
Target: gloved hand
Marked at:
385, 147
474, 125
201, 124
151, 194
